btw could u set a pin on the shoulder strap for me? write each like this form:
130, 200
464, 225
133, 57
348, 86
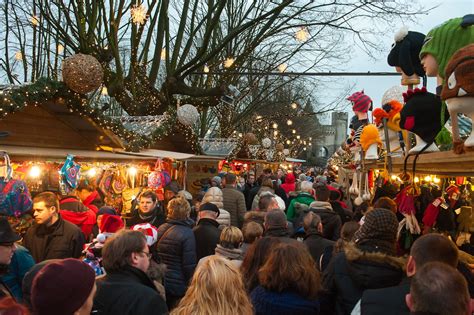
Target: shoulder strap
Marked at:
166, 233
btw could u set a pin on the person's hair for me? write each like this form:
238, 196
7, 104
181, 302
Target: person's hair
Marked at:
256, 256
8, 306
267, 171
214, 195
267, 182
275, 218
434, 247
216, 288
291, 267
85, 185
322, 192
386, 203
440, 289
116, 253
230, 178
231, 237
363, 207
50, 199
178, 208
306, 186
149, 194
265, 201
252, 231
311, 221
348, 230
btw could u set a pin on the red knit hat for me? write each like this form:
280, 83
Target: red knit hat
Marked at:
62, 287
360, 102
111, 223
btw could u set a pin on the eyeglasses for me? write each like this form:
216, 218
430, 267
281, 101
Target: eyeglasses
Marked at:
148, 254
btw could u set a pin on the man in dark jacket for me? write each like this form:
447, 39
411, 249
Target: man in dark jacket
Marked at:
234, 200
370, 263
250, 183
51, 236
391, 301
149, 211
275, 224
126, 289
330, 219
314, 239
72, 210
207, 231
7, 248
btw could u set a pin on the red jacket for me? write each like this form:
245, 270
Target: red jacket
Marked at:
93, 202
74, 211
289, 184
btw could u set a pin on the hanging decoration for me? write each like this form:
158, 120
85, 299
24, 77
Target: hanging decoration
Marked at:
188, 114
286, 152
69, 175
82, 73
266, 143
138, 14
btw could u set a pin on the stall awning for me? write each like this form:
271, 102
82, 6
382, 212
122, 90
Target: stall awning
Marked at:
292, 160
38, 153
153, 153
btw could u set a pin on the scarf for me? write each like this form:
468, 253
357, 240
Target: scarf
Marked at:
229, 253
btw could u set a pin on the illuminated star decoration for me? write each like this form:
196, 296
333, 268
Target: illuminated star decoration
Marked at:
302, 34
34, 20
229, 62
282, 68
19, 56
138, 13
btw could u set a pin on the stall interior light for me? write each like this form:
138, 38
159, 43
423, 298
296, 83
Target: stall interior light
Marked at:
132, 171
92, 172
35, 171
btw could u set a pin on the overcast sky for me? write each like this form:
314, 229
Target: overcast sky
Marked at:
376, 86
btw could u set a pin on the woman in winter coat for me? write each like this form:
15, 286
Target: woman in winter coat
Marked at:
229, 246
289, 184
214, 196
289, 282
267, 186
368, 263
176, 247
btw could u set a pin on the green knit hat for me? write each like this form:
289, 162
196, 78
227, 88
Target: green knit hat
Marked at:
444, 40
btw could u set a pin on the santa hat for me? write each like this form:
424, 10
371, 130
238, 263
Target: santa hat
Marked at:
460, 74
360, 102
150, 231
109, 225
405, 52
444, 40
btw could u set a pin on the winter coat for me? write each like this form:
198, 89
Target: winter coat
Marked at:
128, 292
277, 232
289, 184
61, 240
256, 199
21, 263
317, 244
235, 255
207, 235
215, 196
330, 219
93, 201
344, 214
234, 202
251, 196
267, 302
387, 301
177, 249
247, 189
304, 198
224, 218
72, 210
356, 269
255, 216
156, 219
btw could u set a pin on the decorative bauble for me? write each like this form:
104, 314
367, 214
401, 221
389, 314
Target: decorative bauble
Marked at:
266, 143
251, 138
188, 114
393, 93
286, 152
279, 147
82, 73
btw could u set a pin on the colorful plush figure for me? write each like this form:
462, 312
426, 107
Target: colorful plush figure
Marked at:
361, 104
404, 56
370, 141
458, 92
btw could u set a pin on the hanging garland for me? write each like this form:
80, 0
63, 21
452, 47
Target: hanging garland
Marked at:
16, 98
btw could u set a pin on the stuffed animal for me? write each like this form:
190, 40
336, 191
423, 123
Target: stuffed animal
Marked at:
361, 104
391, 112
370, 141
458, 92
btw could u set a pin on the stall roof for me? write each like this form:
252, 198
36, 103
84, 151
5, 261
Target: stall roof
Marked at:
295, 160
153, 153
35, 153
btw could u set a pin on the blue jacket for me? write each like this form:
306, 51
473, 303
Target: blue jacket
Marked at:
285, 303
177, 249
21, 263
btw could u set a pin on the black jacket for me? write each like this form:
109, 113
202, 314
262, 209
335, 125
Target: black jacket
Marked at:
61, 240
331, 222
207, 235
316, 244
128, 292
357, 269
344, 214
157, 219
387, 301
177, 249
277, 232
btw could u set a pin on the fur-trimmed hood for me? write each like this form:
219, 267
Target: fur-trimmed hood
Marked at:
354, 253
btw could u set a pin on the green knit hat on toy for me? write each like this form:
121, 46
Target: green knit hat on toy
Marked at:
444, 40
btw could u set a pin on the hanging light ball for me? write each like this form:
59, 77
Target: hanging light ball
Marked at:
393, 93
286, 152
251, 138
266, 143
82, 73
188, 114
279, 147
289, 122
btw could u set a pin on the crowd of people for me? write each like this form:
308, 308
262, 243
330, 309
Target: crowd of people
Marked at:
282, 243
